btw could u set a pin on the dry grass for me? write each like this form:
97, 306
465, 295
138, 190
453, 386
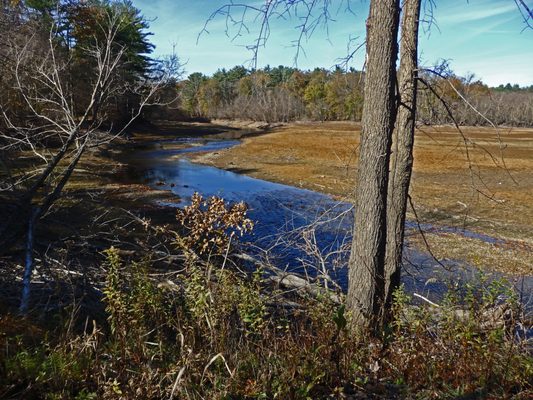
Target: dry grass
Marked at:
514, 256
486, 186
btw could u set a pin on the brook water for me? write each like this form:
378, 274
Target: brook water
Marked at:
285, 215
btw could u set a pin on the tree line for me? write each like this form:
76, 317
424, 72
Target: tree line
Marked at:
81, 35
284, 94
273, 94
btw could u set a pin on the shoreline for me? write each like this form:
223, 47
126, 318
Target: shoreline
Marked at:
275, 157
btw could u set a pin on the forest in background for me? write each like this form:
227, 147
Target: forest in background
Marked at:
270, 94
284, 94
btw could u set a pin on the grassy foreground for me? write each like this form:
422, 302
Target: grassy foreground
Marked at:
206, 330
479, 179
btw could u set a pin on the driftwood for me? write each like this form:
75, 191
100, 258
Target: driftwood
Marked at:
291, 280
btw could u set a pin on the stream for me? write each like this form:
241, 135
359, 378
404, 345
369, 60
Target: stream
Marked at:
304, 231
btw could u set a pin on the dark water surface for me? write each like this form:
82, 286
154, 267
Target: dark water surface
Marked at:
285, 215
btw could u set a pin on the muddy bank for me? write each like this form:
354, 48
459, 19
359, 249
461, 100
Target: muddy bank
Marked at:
117, 173
470, 188
216, 129
298, 230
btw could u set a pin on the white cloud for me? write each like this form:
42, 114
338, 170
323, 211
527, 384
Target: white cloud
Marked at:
473, 12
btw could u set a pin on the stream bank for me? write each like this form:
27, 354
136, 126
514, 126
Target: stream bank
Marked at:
490, 196
301, 229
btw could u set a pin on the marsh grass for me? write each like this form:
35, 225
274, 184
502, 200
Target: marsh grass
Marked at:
482, 195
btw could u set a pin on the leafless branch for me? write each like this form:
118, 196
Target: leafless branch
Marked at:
239, 16
526, 12
466, 140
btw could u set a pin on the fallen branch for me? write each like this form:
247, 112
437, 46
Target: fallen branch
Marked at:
291, 280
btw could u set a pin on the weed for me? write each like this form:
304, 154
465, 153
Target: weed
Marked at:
215, 333
208, 222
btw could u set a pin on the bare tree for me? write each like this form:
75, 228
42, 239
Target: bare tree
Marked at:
239, 16
526, 11
55, 131
366, 276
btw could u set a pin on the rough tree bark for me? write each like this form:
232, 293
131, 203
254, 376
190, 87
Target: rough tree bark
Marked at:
366, 276
401, 163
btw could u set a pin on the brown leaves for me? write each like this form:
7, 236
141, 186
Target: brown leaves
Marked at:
211, 223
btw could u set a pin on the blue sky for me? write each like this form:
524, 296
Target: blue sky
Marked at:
484, 37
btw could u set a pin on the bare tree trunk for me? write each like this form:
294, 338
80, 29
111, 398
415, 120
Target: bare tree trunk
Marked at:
11, 230
35, 214
28, 267
366, 277
402, 149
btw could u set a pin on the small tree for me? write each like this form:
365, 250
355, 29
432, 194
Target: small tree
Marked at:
54, 125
